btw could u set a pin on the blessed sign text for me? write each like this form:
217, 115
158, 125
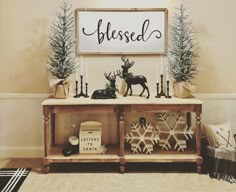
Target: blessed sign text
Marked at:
121, 31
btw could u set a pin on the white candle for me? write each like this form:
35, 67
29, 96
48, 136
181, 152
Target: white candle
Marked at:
158, 72
81, 65
167, 74
86, 72
161, 65
77, 69
76, 74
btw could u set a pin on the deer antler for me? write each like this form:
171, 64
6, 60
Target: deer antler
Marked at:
123, 59
116, 74
113, 77
127, 64
108, 77
130, 64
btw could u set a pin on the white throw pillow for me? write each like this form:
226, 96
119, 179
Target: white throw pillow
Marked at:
220, 135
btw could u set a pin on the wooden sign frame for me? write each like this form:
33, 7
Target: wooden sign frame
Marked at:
121, 31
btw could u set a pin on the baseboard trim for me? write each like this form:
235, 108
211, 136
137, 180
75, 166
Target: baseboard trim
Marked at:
226, 96
21, 152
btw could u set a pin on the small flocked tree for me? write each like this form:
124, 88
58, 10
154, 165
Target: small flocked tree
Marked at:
61, 62
183, 48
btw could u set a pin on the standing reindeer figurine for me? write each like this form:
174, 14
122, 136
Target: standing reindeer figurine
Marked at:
131, 79
110, 91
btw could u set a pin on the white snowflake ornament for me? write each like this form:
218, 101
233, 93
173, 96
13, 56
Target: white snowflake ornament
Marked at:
173, 129
142, 137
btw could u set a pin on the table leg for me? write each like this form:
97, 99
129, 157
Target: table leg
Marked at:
46, 168
122, 139
198, 142
53, 129
46, 133
122, 165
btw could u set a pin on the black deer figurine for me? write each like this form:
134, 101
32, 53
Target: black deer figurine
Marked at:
110, 91
131, 79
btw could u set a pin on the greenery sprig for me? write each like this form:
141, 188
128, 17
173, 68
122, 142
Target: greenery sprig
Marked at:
183, 49
61, 62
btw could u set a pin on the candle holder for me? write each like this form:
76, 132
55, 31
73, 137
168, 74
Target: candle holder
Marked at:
168, 89
86, 90
81, 94
158, 95
76, 89
162, 92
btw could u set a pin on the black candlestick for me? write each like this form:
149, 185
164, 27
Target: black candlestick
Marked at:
76, 90
158, 95
162, 93
168, 89
81, 87
86, 90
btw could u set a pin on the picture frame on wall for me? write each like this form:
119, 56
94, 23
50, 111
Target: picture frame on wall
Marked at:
121, 31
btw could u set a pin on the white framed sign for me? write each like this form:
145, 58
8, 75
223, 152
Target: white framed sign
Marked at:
121, 31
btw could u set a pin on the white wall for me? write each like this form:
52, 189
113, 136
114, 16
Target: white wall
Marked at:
25, 27
21, 121
21, 125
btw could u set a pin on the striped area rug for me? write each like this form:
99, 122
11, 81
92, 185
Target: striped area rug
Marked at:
12, 179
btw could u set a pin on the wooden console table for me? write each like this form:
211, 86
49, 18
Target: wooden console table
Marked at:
120, 106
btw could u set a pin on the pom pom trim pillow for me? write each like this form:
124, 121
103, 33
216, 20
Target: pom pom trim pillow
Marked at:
220, 136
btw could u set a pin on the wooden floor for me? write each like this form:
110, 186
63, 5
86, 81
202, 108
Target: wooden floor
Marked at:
106, 178
35, 164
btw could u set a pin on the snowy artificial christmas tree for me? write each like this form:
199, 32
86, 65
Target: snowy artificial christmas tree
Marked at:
182, 53
61, 62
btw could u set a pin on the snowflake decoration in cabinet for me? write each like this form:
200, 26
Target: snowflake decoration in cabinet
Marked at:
142, 137
173, 131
